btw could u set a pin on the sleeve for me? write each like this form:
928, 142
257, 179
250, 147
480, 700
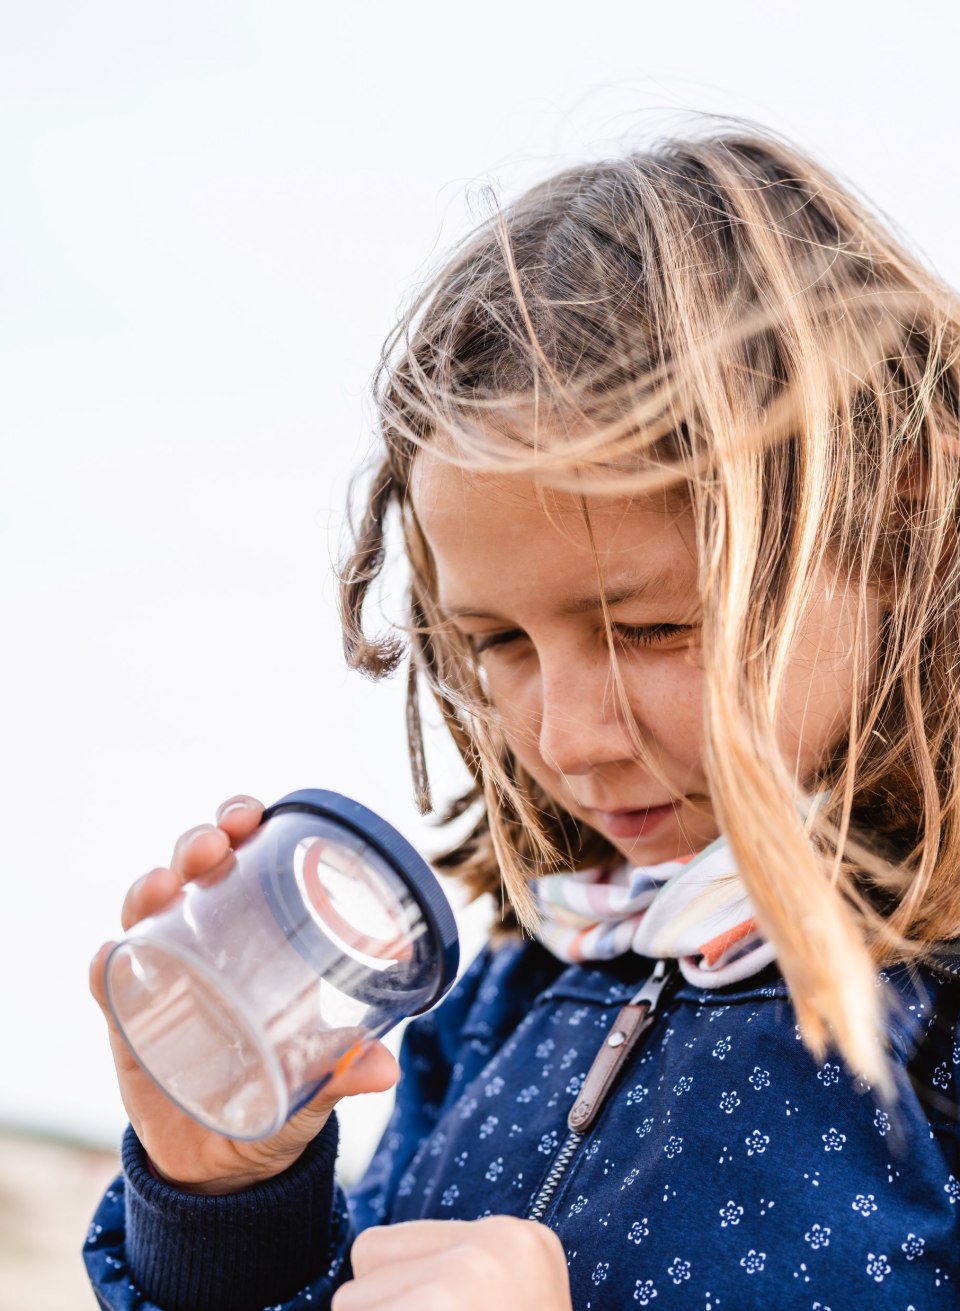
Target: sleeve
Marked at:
153, 1247
283, 1245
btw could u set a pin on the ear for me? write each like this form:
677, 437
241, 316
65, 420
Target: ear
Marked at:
913, 481
912, 507
912, 485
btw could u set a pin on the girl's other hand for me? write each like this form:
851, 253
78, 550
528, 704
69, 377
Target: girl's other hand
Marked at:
183, 1152
457, 1265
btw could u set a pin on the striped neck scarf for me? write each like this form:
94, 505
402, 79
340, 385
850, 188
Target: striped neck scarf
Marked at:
695, 909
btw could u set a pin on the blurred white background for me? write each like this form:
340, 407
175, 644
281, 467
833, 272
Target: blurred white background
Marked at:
210, 215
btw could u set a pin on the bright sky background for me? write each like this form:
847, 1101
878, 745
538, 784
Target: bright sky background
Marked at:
211, 214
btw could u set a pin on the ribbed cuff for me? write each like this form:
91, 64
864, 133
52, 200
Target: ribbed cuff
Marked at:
237, 1252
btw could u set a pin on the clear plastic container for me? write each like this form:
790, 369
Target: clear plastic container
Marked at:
264, 979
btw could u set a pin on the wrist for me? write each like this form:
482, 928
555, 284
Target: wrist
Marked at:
221, 1166
217, 1187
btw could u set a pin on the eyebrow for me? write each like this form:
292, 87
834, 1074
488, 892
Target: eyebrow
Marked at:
663, 583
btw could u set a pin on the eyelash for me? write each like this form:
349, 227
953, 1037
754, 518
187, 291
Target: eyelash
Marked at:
648, 635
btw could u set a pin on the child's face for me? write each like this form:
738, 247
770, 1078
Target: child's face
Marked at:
523, 585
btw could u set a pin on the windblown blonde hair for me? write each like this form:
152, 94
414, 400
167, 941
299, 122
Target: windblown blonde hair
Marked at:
719, 317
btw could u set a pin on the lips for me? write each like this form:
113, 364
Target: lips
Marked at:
634, 823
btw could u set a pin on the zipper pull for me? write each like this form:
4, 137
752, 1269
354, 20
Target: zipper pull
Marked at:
634, 1019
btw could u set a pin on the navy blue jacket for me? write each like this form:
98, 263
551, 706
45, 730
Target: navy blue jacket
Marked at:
726, 1170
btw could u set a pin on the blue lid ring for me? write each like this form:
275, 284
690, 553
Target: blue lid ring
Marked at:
403, 858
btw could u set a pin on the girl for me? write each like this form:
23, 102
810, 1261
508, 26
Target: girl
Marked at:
673, 450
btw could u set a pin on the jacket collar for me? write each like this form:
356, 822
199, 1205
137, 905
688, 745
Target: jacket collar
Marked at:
522, 973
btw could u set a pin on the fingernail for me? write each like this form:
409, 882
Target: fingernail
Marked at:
191, 835
230, 806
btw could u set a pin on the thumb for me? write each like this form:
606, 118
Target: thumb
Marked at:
367, 1066
371, 1068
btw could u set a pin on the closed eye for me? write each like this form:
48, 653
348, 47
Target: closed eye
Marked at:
648, 634
624, 634
489, 640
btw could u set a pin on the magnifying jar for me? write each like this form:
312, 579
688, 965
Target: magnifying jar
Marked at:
267, 976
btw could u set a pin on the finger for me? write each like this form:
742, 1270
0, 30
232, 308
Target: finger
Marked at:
450, 1271
426, 1296
239, 817
148, 895
490, 1237
198, 850
97, 987
385, 1246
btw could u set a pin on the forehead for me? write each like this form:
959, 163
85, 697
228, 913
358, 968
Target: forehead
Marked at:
495, 532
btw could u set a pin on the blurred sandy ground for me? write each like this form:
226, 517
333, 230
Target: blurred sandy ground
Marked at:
49, 1190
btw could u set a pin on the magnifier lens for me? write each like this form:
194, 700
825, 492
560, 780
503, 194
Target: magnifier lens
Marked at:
358, 902
252, 990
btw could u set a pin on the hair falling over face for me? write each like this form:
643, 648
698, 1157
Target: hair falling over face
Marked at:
720, 320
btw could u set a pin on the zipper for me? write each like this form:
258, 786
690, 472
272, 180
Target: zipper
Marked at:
557, 1170
948, 968
633, 1020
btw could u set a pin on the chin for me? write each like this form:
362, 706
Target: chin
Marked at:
651, 853
658, 849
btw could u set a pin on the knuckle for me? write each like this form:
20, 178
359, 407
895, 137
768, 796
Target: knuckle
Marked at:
476, 1264
549, 1241
363, 1250
502, 1228
524, 1239
528, 1240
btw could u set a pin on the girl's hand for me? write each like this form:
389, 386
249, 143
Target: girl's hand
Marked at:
182, 1151
457, 1265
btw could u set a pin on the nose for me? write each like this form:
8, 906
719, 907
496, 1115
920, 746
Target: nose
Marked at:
581, 724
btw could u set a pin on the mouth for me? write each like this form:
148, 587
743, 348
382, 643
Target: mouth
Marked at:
634, 823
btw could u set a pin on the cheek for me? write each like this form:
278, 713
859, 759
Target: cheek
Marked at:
819, 691
502, 686
666, 696
814, 709
514, 696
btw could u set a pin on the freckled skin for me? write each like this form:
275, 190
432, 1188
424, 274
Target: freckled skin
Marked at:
515, 558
